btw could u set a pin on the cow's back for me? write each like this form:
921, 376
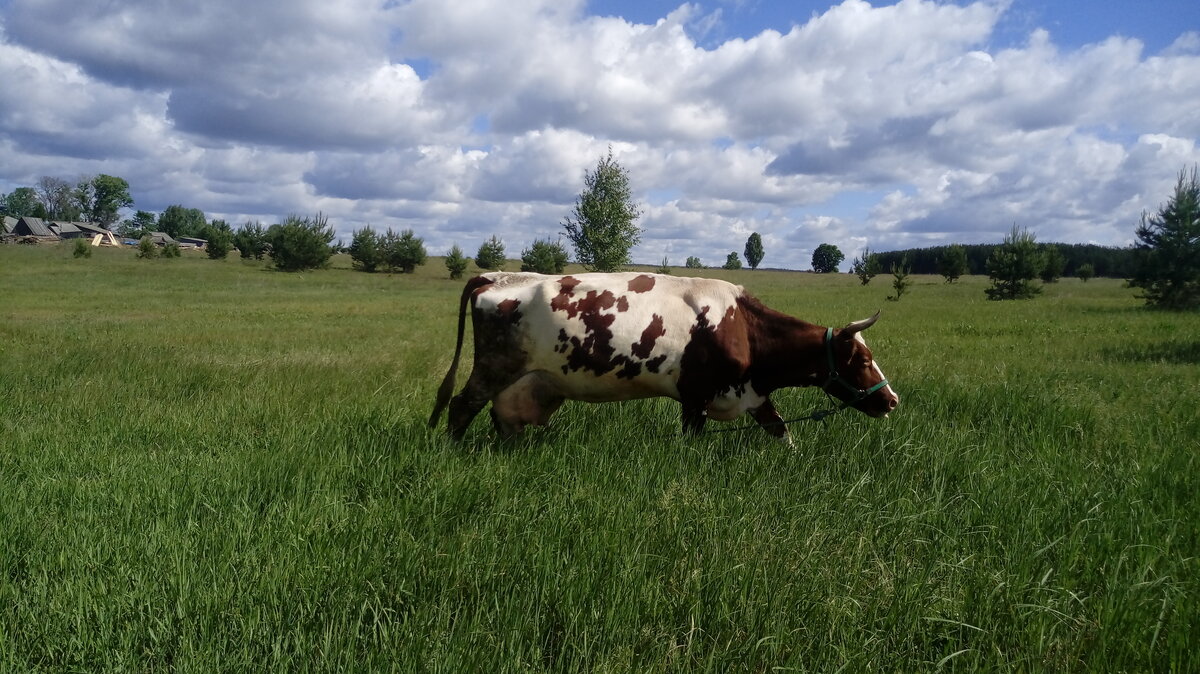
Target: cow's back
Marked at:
603, 337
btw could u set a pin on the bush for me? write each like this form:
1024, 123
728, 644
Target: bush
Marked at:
866, 266
456, 262
301, 243
732, 262
1013, 265
171, 250
403, 252
953, 263
900, 280
665, 267
365, 250
544, 257
251, 241
491, 254
219, 240
693, 263
81, 248
1055, 263
1085, 271
146, 249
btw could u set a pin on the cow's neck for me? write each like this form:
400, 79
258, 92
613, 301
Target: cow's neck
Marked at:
785, 351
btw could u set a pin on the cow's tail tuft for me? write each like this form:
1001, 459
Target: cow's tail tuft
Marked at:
447, 387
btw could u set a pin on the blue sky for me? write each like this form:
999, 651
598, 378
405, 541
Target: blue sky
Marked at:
886, 125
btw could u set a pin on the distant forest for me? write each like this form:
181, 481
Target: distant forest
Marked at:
1108, 261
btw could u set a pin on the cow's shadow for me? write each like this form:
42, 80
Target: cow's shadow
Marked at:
1172, 352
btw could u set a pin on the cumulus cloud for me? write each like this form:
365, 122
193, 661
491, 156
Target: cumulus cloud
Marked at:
894, 125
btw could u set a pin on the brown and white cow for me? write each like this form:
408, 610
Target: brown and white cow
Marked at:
540, 340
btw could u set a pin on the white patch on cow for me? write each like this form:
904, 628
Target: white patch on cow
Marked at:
735, 401
878, 370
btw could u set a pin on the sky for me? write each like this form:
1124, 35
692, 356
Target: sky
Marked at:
880, 125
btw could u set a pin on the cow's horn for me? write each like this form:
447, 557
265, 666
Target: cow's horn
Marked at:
859, 326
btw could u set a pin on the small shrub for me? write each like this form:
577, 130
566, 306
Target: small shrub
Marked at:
953, 263
544, 257
665, 267
866, 266
1085, 271
81, 248
146, 249
456, 262
171, 250
491, 254
693, 262
219, 239
900, 280
403, 252
732, 262
365, 250
301, 243
1014, 265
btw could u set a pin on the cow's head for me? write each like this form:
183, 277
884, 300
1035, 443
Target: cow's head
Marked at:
855, 377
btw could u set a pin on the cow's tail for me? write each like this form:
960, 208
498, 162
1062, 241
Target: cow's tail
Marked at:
447, 387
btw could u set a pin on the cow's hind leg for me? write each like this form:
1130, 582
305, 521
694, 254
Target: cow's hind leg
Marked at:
768, 418
531, 400
474, 396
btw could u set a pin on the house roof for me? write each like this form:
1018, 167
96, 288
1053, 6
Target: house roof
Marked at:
63, 227
8, 224
161, 237
90, 227
35, 226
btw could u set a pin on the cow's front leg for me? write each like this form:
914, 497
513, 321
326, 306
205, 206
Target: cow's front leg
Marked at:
694, 418
768, 418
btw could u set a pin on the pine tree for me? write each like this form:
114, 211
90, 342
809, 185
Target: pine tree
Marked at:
1014, 265
1168, 249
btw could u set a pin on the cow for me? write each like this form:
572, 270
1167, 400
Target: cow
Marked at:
601, 337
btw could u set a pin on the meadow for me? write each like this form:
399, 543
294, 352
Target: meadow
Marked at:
212, 466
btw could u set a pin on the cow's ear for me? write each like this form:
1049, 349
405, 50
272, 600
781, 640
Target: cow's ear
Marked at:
858, 326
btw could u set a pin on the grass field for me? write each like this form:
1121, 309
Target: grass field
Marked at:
209, 466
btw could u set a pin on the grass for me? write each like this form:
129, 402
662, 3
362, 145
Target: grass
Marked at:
212, 466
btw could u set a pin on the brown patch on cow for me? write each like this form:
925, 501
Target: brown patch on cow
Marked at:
650, 335
622, 303
507, 310
642, 283
716, 358
653, 364
566, 290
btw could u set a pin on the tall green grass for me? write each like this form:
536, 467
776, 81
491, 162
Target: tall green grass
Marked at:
212, 466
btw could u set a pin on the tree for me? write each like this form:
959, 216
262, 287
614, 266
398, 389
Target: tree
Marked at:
456, 263
693, 263
178, 221
544, 257
1085, 271
953, 263
491, 254
866, 266
1055, 262
365, 250
603, 228
900, 280
826, 258
301, 243
754, 250
23, 201
1168, 249
732, 262
1013, 266
403, 252
251, 240
108, 195
141, 223
57, 198
146, 248
219, 239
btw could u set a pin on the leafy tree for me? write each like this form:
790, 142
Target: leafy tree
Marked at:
544, 257
900, 280
1055, 262
456, 262
754, 250
219, 238
1168, 249
403, 252
732, 262
826, 258
178, 221
146, 248
1014, 265
141, 223
491, 254
107, 195
603, 228
365, 250
866, 266
301, 243
665, 267
23, 201
251, 240
1085, 271
953, 263
693, 263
